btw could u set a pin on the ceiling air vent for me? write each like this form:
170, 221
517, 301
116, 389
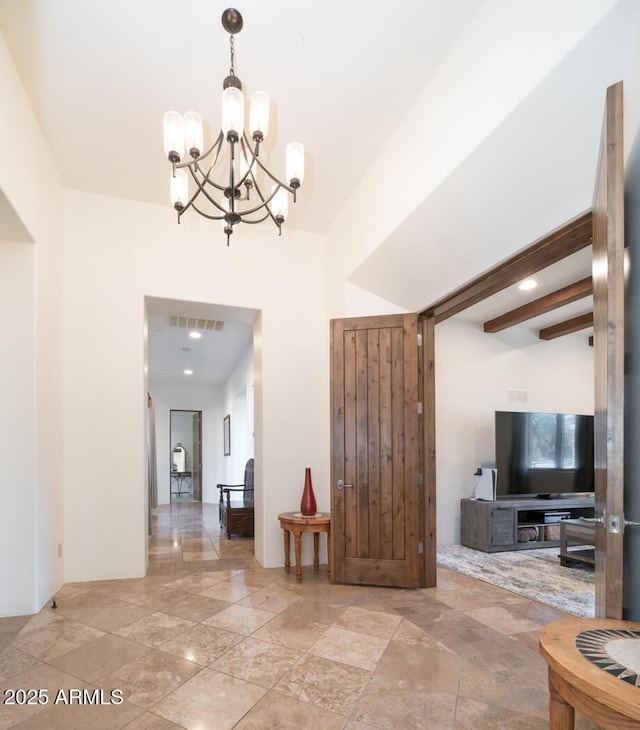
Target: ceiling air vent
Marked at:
195, 323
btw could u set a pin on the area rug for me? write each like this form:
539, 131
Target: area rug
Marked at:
534, 573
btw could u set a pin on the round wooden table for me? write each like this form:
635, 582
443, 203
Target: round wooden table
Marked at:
577, 683
297, 523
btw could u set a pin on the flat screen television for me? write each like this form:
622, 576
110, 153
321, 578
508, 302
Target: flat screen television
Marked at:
543, 454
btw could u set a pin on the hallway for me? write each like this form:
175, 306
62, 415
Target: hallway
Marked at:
210, 640
186, 538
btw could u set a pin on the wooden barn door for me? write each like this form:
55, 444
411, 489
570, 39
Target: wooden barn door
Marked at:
608, 299
375, 451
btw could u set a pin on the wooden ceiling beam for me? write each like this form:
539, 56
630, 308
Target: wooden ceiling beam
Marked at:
566, 328
555, 246
542, 305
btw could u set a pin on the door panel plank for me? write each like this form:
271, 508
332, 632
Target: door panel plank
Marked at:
349, 446
386, 448
608, 297
362, 486
398, 411
375, 447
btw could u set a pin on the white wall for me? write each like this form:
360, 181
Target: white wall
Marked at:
237, 399
31, 526
481, 91
475, 373
133, 252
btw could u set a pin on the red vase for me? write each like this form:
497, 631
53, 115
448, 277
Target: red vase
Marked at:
308, 503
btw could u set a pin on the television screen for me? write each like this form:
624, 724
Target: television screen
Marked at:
543, 453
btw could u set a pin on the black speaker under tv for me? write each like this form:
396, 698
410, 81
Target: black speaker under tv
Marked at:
543, 454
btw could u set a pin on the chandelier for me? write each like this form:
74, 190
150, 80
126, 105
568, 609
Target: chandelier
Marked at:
230, 183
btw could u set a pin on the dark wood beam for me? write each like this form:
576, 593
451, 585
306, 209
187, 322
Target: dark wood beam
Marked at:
542, 305
566, 328
555, 246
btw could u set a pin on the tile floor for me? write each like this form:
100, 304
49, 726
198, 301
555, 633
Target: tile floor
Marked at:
211, 640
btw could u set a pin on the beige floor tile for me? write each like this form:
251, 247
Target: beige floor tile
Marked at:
291, 631
101, 611
408, 633
285, 713
95, 659
155, 629
326, 683
270, 598
240, 619
432, 668
497, 690
150, 678
209, 701
259, 578
365, 621
194, 583
199, 555
150, 721
48, 679
350, 647
57, 636
229, 592
257, 661
201, 644
13, 661
401, 703
503, 620
478, 715
83, 716
196, 608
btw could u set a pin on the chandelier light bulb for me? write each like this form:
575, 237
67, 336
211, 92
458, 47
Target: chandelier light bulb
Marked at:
259, 115
173, 136
193, 136
280, 205
232, 113
294, 164
179, 189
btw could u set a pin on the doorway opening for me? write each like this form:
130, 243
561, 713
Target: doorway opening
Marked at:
201, 369
185, 455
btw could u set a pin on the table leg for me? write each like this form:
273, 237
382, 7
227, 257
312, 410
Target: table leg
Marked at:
298, 543
561, 714
287, 561
329, 556
316, 548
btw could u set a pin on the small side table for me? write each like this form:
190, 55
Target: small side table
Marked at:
297, 523
579, 683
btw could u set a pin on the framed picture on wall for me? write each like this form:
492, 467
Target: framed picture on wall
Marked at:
226, 435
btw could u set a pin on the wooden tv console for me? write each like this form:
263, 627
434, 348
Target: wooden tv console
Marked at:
517, 524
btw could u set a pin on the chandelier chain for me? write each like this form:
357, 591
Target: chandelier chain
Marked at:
232, 71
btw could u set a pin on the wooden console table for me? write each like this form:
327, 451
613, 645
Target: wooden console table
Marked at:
576, 683
297, 523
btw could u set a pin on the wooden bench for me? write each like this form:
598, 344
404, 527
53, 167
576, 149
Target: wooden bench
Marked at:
236, 505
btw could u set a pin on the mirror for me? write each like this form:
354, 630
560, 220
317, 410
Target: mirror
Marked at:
179, 459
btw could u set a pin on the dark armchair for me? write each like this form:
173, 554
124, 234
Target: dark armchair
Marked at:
236, 505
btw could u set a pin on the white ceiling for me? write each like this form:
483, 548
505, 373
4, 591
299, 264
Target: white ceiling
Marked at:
212, 357
100, 76
341, 77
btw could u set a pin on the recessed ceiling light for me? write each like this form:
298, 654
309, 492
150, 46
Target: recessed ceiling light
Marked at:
188, 372
195, 335
527, 284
